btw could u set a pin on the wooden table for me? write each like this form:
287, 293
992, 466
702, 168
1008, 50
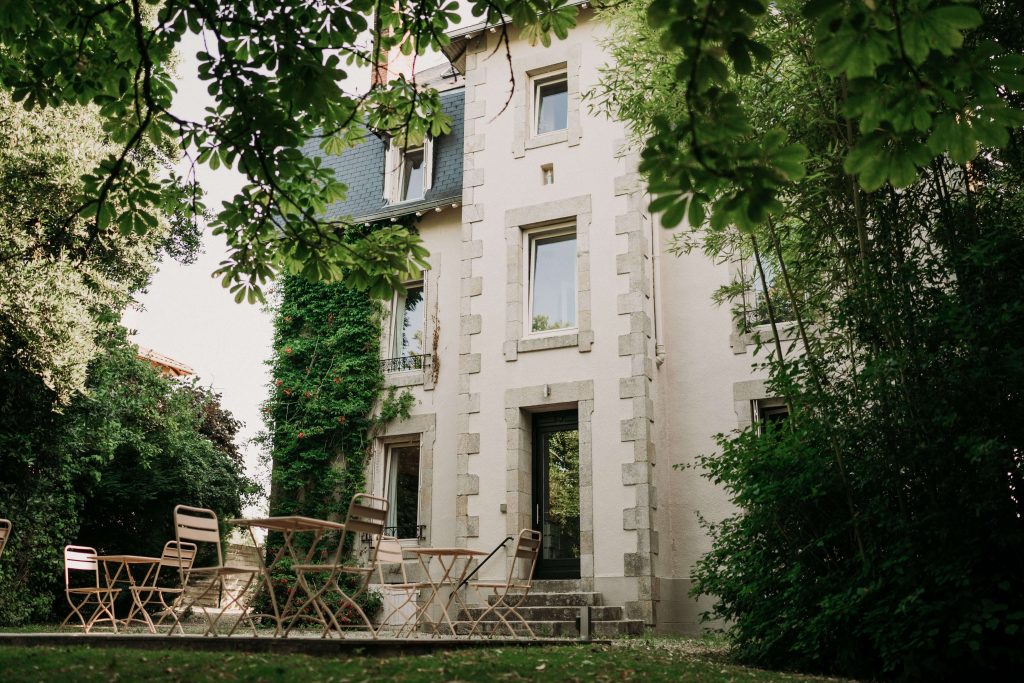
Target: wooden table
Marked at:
124, 564
448, 558
287, 526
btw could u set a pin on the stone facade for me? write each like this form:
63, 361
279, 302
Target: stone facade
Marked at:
650, 367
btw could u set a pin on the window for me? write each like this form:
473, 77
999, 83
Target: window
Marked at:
551, 104
768, 411
551, 279
407, 335
755, 302
412, 174
408, 171
402, 486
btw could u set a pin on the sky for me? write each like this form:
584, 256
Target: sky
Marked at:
187, 315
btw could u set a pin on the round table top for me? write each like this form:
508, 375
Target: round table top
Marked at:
454, 552
290, 523
128, 559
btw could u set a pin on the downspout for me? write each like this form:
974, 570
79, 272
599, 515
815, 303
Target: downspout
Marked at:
659, 347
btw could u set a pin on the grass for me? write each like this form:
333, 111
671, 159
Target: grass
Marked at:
649, 661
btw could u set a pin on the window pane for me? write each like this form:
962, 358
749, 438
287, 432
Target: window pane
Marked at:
409, 322
552, 106
553, 283
412, 175
403, 491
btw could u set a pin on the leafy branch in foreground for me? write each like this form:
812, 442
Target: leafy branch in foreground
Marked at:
276, 70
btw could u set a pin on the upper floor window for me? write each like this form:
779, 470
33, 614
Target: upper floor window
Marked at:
551, 279
551, 104
412, 174
407, 337
768, 411
408, 171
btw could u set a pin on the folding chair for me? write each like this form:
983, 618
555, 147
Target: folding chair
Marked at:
389, 552
166, 580
5, 533
510, 594
199, 526
80, 558
366, 516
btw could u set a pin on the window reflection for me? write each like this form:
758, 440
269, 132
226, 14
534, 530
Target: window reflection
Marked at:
552, 101
412, 175
553, 283
408, 335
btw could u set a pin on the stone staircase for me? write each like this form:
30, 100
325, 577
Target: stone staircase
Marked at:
551, 609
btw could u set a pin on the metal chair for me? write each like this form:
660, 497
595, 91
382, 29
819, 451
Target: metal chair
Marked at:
166, 580
5, 533
199, 526
389, 553
510, 594
80, 558
367, 516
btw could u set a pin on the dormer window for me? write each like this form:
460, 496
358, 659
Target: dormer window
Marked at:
412, 175
408, 171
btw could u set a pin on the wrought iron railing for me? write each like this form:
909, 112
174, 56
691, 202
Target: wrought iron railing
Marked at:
757, 314
404, 363
402, 531
417, 531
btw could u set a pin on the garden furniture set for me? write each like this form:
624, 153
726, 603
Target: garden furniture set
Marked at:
332, 572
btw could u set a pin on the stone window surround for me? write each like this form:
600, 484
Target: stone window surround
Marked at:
526, 69
407, 431
520, 404
423, 376
517, 222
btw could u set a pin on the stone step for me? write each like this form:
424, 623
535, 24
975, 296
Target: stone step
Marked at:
558, 629
549, 613
557, 586
574, 599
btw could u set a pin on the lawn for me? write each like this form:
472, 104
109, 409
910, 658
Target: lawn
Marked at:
648, 661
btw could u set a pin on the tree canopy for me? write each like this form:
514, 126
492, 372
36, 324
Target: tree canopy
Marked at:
877, 530
277, 72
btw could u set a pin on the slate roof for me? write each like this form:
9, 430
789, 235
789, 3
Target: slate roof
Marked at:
361, 168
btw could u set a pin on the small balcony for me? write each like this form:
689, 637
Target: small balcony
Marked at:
405, 363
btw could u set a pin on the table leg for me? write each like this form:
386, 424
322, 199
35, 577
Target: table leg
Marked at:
136, 604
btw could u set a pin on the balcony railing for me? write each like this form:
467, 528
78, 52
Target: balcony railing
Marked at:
405, 363
402, 531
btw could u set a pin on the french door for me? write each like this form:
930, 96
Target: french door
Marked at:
556, 493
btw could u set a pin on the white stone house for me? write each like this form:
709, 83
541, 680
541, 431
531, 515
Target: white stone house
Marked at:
551, 316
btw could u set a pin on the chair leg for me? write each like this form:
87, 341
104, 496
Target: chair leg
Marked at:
313, 598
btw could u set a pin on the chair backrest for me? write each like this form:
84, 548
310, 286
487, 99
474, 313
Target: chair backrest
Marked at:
389, 552
81, 558
527, 550
196, 525
177, 556
5, 533
367, 515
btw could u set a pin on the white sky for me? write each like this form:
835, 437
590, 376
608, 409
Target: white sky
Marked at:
187, 315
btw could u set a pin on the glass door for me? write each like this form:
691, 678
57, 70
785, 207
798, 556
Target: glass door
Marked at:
556, 493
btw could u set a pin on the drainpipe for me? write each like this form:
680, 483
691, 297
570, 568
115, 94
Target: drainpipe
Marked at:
659, 347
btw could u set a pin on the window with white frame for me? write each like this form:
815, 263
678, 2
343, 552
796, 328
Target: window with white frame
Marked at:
401, 488
408, 171
407, 334
550, 103
550, 279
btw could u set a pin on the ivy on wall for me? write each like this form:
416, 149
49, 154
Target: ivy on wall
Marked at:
328, 396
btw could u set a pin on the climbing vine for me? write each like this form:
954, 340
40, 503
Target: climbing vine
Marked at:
327, 397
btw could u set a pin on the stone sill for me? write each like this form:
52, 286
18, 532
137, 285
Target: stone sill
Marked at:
547, 139
409, 378
555, 341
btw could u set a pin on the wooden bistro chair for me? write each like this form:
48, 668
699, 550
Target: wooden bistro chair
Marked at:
367, 516
510, 594
83, 593
199, 526
5, 533
389, 554
166, 582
